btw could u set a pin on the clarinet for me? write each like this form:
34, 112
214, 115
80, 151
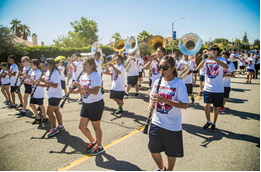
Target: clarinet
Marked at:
145, 131
18, 75
36, 85
67, 95
22, 81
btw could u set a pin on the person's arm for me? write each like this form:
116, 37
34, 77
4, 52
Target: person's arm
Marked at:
116, 70
177, 104
147, 65
221, 63
95, 90
54, 85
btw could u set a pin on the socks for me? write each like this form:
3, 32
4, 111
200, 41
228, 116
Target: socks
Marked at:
213, 123
23, 110
209, 122
94, 142
60, 125
100, 147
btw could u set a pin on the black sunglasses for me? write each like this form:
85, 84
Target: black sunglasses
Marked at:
214, 49
164, 67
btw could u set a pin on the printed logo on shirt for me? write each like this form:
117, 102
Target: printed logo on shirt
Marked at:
115, 76
212, 69
33, 84
249, 63
86, 84
155, 69
167, 93
47, 79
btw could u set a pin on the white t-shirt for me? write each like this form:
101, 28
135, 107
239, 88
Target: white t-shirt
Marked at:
99, 66
118, 83
25, 69
251, 64
76, 71
155, 71
91, 81
214, 76
39, 92
188, 79
133, 70
54, 78
202, 71
226, 80
232, 56
241, 62
166, 116
140, 61
5, 80
14, 68
62, 72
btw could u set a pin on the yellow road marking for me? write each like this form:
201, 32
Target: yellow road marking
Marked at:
87, 156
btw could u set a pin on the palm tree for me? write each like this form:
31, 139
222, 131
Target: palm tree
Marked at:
15, 27
143, 35
25, 31
116, 36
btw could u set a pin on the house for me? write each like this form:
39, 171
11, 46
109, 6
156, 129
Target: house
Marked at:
27, 43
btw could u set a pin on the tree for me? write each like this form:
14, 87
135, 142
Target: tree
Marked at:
87, 30
25, 31
256, 43
143, 36
73, 39
245, 39
116, 36
15, 27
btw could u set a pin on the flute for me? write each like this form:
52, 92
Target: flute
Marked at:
145, 131
36, 85
67, 95
22, 81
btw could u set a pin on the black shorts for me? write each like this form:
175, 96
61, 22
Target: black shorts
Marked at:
93, 111
257, 66
28, 88
132, 80
189, 88
38, 101
201, 78
235, 64
13, 88
6, 84
140, 74
63, 84
195, 71
226, 92
161, 140
54, 101
117, 94
242, 67
215, 98
150, 82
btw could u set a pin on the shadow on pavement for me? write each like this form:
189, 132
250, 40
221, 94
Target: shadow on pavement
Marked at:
144, 97
218, 135
234, 100
239, 90
114, 164
245, 83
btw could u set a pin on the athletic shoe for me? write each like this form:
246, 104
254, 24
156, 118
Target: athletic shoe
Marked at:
201, 93
137, 94
163, 170
90, 147
12, 106
205, 127
139, 85
38, 109
240, 73
5, 101
21, 113
53, 132
45, 120
119, 111
60, 128
37, 121
125, 94
97, 151
192, 99
8, 102
213, 128
79, 101
20, 105
222, 109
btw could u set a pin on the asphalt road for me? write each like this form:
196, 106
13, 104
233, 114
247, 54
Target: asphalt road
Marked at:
234, 146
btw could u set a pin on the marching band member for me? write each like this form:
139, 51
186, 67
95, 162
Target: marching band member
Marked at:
234, 58
213, 87
118, 84
154, 63
52, 81
133, 75
165, 132
14, 73
98, 62
77, 68
257, 64
61, 69
38, 96
188, 79
242, 64
140, 64
5, 80
228, 73
27, 70
93, 105
250, 67
202, 76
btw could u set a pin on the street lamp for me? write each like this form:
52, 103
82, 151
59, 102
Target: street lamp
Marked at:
172, 30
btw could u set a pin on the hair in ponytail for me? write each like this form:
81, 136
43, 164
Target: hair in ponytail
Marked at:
172, 63
36, 63
52, 62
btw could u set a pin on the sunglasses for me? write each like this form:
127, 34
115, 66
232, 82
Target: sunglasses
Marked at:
47, 64
164, 67
214, 49
22, 61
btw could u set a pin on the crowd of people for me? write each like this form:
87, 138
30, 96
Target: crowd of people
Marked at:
169, 91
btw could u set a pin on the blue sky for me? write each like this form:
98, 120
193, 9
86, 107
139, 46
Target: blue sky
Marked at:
207, 18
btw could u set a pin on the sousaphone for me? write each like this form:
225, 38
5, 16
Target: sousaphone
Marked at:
131, 45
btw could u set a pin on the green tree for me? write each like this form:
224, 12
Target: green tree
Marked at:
256, 43
15, 27
143, 36
87, 30
245, 39
25, 31
116, 36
